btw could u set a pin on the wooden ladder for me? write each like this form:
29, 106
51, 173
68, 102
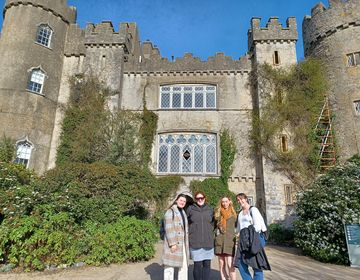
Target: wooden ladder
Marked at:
324, 130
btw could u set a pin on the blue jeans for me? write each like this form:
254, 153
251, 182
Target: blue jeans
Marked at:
244, 268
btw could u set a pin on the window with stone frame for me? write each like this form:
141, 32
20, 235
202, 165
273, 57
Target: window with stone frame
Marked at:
36, 80
187, 153
357, 107
44, 35
353, 59
23, 153
276, 58
188, 97
289, 194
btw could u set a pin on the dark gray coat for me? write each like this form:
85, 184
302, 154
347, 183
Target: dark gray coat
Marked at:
201, 226
250, 250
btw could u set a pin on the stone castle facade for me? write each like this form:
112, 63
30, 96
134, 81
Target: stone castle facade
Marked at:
41, 46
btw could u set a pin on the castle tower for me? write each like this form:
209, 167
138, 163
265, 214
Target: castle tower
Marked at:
333, 34
276, 46
31, 55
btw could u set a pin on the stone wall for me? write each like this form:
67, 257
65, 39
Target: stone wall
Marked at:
330, 34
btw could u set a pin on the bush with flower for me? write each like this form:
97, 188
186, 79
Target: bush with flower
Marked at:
332, 201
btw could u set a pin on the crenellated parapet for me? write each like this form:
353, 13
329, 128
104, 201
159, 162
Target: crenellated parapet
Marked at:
324, 21
104, 35
58, 8
272, 32
154, 63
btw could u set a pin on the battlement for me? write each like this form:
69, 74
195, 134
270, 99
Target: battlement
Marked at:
273, 31
58, 8
103, 34
324, 22
154, 63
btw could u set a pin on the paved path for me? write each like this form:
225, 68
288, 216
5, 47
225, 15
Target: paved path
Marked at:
286, 264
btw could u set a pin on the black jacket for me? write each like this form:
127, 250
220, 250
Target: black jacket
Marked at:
249, 249
201, 226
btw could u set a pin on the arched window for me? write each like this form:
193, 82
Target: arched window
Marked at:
36, 80
23, 153
189, 97
187, 153
43, 35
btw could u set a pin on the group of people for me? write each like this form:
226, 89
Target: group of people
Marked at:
198, 232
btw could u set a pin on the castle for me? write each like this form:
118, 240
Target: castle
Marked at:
41, 46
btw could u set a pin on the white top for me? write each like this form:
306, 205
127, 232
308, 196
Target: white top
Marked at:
245, 220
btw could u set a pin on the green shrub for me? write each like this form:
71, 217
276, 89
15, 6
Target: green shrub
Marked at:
214, 190
332, 201
280, 235
127, 240
36, 242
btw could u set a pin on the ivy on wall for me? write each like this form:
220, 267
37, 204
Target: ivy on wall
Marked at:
92, 133
290, 102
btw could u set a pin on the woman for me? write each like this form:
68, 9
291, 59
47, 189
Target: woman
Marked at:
251, 226
201, 238
176, 248
225, 217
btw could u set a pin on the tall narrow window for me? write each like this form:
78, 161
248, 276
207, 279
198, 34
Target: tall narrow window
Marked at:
36, 80
276, 58
184, 153
23, 153
284, 143
357, 107
43, 35
289, 194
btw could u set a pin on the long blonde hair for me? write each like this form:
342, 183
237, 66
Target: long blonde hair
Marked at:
217, 213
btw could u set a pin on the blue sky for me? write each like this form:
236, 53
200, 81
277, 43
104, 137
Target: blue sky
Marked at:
202, 27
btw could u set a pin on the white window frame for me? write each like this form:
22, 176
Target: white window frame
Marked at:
23, 152
36, 80
353, 59
357, 107
199, 163
208, 91
44, 34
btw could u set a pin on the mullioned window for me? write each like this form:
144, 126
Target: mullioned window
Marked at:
190, 97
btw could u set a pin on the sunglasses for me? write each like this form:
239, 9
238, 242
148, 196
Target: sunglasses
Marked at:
200, 198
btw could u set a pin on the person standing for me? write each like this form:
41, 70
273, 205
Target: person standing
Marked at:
201, 236
225, 218
250, 251
176, 248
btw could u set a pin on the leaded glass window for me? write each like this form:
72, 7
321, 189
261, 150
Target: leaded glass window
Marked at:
187, 153
23, 153
188, 97
43, 35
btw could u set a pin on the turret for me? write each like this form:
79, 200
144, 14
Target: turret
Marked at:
332, 34
273, 44
31, 55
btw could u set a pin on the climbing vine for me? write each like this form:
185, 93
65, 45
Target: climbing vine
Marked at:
290, 102
147, 133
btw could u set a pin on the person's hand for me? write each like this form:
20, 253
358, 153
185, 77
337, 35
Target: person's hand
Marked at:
173, 248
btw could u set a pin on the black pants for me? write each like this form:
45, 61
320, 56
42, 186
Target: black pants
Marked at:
202, 270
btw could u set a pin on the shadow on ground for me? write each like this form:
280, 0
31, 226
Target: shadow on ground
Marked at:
156, 272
